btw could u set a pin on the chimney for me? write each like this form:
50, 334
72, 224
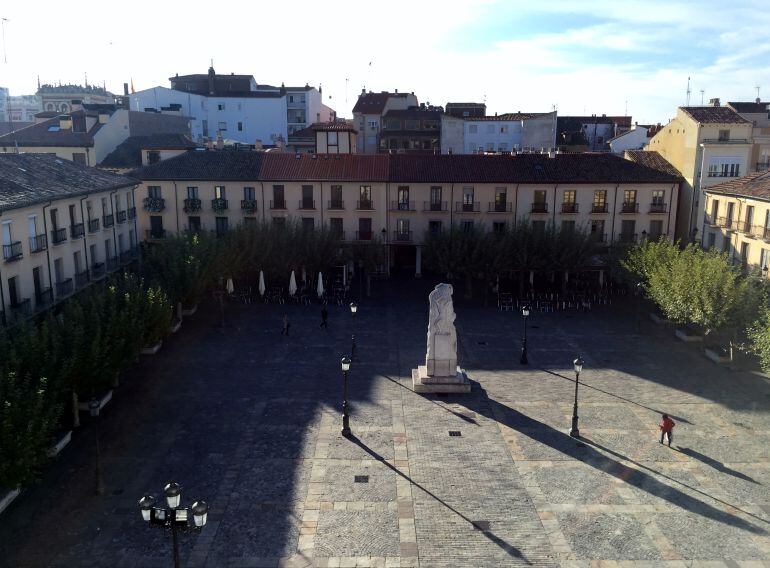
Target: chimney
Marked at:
280, 143
551, 153
758, 100
714, 102
212, 77
258, 144
397, 93
125, 89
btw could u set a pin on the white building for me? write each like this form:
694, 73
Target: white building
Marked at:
510, 131
635, 139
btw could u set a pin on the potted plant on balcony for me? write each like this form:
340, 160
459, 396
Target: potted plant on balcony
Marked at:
218, 205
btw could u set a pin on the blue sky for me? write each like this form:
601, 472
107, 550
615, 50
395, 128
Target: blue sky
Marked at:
582, 57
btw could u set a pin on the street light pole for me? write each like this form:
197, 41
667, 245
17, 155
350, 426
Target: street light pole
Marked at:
94, 406
578, 366
353, 311
345, 418
525, 313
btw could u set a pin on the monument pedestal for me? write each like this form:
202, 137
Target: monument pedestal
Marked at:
422, 382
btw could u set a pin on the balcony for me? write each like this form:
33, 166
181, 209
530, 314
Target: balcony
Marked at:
500, 207
569, 208
64, 288
97, 271
306, 204
629, 207
20, 309
38, 243
658, 207
122, 216
77, 231
599, 208
762, 166
113, 263
155, 234
726, 141
402, 236
191, 205
726, 223
278, 204
402, 206
336, 204
132, 213
108, 220
363, 235
436, 206
154, 204
12, 251
44, 298
249, 206
365, 205
58, 236
627, 238
81, 279
218, 205
93, 225
539, 207
462, 207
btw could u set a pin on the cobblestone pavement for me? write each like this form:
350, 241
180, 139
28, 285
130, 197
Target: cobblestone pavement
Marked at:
250, 421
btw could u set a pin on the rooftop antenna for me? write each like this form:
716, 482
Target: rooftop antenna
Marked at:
346, 91
2, 25
688, 92
626, 112
701, 96
757, 88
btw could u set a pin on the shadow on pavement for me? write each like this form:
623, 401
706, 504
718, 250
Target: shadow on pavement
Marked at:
717, 465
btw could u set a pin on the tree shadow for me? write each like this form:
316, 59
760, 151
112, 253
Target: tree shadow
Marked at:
508, 548
716, 464
586, 451
624, 399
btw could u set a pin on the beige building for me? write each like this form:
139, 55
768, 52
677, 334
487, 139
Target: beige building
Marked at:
706, 145
337, 137
737, 219
398, 198
758, 113
368, 116
63, 226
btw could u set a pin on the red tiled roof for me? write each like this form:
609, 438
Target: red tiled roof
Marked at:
652, 159
715, 115
336, 126
324, 167
374, 103
756, 185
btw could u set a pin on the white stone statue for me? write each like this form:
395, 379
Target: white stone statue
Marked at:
440, 372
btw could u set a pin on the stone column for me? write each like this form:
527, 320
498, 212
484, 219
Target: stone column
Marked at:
418, 262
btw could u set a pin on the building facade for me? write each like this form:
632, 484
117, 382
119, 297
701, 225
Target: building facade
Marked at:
397, 198
368, 112
758, 113
414, 129
635, 139
466, 110
509, 132
589, 133
63, 226
737, 220
706, 145
60, 98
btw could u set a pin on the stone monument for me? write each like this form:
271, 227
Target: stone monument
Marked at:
441, 374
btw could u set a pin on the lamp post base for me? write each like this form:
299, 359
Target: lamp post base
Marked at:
574, 432
523, 359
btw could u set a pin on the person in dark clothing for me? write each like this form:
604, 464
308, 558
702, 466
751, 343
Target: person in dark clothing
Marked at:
324, 317
286, 325
666, 428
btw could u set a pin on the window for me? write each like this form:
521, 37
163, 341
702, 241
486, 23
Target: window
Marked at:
219, 191
468, 196
192, 192
240, 127
279, 222
434, 227
331, 139
194, 224
726, 242
307, 197
749, 216
473, 129
365, 229
156, 228
730, 210
498, 227
373, 124
724, 135
221, 224
402, 227
365, 197
744, 253
308, 223
540, 196
222, 126
335, 226
568, 226
435, 197
403, 197
569, 197
629, 196
221, 106
153, 156
466, 226
538, 227
291, 98
600, 201
336, 197
656, 229
504, 129
627, 230
278, 200
152, 191
79, 158
249, 193
711, 240
763, 257
657, 197
715, 211
597, 230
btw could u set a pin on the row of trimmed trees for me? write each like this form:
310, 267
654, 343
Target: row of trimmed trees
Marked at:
72, 354
703, 289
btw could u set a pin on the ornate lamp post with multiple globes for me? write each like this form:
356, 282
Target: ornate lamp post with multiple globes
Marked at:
578, 366
174, 518
525, 314
345, 418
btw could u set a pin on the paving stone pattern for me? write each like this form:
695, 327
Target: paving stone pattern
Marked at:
250, 421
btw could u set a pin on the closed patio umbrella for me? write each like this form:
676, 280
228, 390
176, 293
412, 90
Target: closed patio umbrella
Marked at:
320, 288
261, 283
292, 284
230, 286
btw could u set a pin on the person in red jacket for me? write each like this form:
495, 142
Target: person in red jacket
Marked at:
666, 428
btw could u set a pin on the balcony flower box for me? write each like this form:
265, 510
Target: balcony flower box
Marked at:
152, 350
61, 444
188, 311
154, 204
717, 354
102, 402
8, 498
688, 335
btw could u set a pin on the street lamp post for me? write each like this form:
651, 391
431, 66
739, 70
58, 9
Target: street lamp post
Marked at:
174, 518
345, 418
578, 366
525, 314
638, 307
94, 406
353, 311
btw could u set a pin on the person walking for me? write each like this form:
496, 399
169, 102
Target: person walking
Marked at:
286, 325
666, 428
324, 317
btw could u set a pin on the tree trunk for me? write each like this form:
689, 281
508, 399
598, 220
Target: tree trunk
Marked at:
75, 410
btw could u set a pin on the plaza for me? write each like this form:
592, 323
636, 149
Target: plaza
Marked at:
249, 420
